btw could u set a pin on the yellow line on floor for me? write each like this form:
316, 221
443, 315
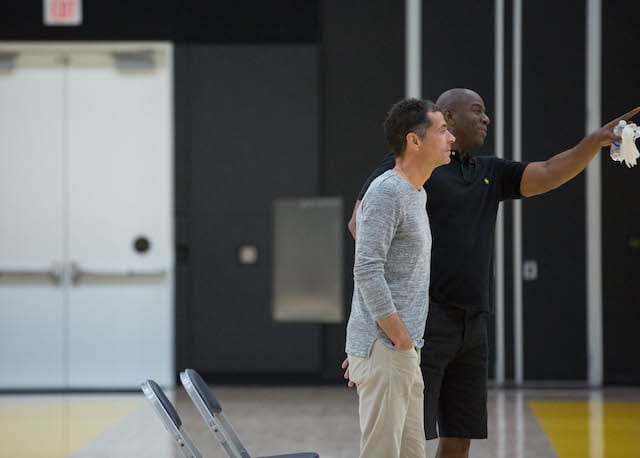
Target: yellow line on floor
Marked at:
588, 429
55, 428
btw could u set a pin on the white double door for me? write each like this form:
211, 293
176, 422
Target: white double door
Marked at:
86, 264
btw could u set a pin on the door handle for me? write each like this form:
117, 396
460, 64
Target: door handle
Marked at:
76, 273
54, 273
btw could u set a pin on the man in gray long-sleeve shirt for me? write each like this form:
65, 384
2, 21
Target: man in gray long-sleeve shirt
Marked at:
391, 290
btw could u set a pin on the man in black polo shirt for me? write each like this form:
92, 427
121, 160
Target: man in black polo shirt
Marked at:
462, 203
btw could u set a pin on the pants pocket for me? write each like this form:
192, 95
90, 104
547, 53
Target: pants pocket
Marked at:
358, 369
403, 366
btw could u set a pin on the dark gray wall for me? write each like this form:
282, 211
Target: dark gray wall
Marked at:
458, 51
553, 120
252, 120
363, 75
451, 59
620, 193
359, 75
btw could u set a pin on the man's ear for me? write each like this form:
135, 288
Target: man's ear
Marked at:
449, 117
412, 139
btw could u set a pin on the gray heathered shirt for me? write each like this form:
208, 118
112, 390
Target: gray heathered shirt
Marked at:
391, 269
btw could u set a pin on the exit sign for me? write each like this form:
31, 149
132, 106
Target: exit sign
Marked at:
62, 12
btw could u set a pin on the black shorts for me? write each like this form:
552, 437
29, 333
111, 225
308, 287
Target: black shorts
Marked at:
454, 367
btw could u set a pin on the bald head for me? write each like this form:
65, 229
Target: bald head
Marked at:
454, 98
464, 113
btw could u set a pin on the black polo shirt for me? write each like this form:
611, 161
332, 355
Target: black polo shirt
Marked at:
462, 203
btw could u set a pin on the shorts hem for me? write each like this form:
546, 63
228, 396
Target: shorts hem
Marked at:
462, 436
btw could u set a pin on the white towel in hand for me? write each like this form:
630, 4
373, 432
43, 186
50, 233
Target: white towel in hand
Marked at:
628, 150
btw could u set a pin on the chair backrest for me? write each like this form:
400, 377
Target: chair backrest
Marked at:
211, 411
170, 418
203, 389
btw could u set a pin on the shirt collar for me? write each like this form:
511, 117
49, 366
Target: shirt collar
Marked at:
468, 159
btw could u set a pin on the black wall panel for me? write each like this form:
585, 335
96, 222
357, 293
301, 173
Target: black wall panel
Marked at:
363, 75
253, 129
553, 89
620, 194
458, 51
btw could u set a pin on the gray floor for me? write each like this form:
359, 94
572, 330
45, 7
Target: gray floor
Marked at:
320, 419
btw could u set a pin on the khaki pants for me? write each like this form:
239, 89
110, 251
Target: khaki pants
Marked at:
391, 392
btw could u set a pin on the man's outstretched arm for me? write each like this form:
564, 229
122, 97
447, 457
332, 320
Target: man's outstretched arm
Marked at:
543, 176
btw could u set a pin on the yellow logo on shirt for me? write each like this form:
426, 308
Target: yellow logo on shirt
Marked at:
486, 181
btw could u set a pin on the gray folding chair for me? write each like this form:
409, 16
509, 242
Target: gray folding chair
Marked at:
167, 413
211, 411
